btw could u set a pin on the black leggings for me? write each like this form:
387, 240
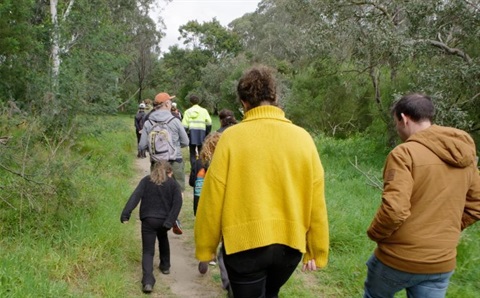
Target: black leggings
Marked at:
152, 228
261, 272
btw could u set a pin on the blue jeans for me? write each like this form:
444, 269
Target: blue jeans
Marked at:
383, 282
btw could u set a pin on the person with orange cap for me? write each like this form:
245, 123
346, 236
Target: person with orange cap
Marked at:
162, 105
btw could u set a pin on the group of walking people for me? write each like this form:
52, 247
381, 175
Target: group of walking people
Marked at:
259, 196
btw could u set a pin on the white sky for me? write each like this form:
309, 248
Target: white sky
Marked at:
179, 12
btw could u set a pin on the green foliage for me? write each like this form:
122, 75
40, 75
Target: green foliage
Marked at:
211, 36
341, 108
77, 249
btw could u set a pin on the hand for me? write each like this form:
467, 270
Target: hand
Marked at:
309, 266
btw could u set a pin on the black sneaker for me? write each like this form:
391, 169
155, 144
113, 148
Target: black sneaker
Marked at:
148, 288
165, 271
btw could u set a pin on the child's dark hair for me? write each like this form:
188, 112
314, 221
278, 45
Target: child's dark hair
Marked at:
226, 117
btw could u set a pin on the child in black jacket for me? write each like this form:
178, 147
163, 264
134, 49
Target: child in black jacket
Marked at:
161, 201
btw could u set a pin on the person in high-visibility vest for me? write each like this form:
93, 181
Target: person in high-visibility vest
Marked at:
198, 123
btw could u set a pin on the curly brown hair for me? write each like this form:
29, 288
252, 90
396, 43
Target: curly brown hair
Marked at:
257, 85
160, 172
208, 147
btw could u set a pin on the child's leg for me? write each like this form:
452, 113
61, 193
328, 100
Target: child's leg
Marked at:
164, 249
148, 251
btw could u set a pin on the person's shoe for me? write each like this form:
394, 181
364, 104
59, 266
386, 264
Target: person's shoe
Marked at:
212, 263
203, 267
148, 288
165, 271
177, 228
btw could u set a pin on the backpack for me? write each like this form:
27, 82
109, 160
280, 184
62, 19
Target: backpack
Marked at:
160, 143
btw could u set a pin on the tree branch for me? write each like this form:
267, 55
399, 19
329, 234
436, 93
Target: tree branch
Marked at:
374, 181
449, 50
377, 6
125, 102
68, 10
476, 7
6, 202
22, 175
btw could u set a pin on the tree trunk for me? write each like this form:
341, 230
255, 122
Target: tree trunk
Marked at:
55, 45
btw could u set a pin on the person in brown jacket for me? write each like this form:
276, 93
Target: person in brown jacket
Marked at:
431, 193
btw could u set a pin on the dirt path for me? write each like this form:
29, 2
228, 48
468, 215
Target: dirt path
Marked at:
184, 279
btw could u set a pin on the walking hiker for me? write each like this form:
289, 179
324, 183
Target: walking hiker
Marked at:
227, 119
431, 194
175, 111
200, 167
161, 201
263, 195
177, 139
196, 179
138, 128
198, 123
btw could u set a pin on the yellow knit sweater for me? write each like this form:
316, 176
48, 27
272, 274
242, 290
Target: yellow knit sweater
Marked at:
265, 185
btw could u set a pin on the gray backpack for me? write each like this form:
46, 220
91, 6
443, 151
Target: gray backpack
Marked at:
160, 143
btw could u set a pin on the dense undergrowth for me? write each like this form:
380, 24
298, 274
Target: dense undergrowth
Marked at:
64, 239
59, 210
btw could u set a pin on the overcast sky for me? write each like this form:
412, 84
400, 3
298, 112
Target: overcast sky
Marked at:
179, 12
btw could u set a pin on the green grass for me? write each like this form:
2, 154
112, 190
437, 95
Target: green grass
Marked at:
80, 249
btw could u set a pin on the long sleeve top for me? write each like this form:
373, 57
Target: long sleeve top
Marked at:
265, 185
431, 193
158, 201
179, 135
197, 121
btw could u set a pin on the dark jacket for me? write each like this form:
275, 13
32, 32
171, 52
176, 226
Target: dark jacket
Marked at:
139, 120
158, 201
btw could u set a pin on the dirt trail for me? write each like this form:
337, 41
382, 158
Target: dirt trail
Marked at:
184, 279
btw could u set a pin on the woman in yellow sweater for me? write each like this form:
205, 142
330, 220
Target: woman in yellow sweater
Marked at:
263, 195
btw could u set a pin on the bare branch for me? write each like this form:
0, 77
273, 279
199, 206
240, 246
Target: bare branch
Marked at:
374, 181
474, 5
21, 175
125, 102
6, 202
57, 146
68, 10
475, 96
446, 48
379, 7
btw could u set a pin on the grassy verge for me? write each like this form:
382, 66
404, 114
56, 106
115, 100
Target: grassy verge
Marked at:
80, 249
